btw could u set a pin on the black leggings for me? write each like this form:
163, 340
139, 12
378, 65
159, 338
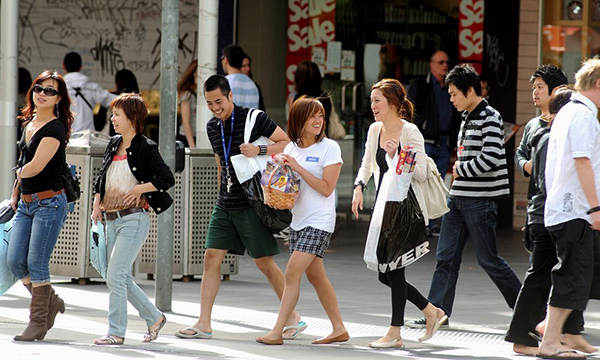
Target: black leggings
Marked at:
402, 290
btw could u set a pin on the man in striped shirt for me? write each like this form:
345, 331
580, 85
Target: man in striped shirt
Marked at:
572, 211
244, 90
480, 178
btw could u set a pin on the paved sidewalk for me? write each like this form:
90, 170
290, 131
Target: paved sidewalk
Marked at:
247, 308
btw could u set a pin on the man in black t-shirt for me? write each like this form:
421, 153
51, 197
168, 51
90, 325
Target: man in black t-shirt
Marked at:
234, 225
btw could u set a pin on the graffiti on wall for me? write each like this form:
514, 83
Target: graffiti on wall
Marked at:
110, 35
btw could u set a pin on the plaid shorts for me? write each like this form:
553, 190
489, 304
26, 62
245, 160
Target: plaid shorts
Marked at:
309, 240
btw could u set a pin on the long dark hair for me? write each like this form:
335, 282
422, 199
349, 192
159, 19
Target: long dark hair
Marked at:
186, 82
64, 115
125, 81
308, 79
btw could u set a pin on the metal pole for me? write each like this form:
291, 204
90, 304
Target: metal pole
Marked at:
208, 34
9, 16
168, 114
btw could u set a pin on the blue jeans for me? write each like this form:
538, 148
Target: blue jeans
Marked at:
124, 239
476, 219
35, 230
440, 154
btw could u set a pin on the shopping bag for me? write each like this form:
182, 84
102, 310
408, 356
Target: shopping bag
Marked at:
6, 211
402, 238
273, 219
98, 256
393, 187
245, 167
7, 279
435, 192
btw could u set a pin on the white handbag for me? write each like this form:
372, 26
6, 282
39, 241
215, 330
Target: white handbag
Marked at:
245, 167
434, 191
336, 129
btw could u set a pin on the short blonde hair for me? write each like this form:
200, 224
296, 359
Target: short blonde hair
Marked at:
588, 75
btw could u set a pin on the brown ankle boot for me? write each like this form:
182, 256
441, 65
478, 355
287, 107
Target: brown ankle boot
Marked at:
38, 311
56, 305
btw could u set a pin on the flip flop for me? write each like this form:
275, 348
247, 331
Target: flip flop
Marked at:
198, 334
298, 329
557, 354
109, 340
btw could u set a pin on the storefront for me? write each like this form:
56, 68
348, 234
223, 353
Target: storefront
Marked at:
356, 43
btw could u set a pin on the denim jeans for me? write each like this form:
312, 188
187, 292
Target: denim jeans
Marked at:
474, 219
124, 239
440, 154
35, 230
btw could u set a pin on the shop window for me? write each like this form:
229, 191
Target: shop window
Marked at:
571, 33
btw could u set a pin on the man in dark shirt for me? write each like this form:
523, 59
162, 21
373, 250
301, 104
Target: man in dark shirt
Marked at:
434, 114
234, 225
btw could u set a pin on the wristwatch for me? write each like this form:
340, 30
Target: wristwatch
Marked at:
262, 149
361, 184
593, 210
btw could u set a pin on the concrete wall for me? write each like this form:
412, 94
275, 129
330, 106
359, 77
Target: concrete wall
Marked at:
109, 35
529, 57
262, 32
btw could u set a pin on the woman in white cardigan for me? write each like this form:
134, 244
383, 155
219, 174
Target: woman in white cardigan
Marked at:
393, 128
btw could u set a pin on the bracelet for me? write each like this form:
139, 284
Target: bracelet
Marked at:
262, 150
593, 210
362, 185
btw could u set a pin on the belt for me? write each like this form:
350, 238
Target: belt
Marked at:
119, 214
42, 195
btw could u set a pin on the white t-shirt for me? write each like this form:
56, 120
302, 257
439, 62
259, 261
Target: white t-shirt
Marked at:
575, 133
312, 208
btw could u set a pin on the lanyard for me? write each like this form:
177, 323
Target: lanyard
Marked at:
227, 150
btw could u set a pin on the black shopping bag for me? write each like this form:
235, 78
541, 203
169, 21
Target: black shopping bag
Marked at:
273, 219
402, 239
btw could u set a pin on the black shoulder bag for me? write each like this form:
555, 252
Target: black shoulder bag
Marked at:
71, 184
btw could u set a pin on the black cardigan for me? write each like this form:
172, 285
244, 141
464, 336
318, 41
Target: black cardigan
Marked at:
146, 165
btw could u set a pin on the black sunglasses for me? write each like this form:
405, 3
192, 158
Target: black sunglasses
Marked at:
37, 88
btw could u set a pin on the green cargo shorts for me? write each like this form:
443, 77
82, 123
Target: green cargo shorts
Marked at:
238, 231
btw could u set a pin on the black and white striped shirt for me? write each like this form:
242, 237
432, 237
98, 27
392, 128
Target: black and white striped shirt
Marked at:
482, 170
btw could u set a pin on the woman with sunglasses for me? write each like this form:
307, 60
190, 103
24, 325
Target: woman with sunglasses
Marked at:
38, 198
133, 178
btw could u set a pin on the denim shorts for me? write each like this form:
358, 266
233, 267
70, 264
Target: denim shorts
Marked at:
35, 230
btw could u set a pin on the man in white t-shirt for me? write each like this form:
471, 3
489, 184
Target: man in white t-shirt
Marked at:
84, 93
572, 210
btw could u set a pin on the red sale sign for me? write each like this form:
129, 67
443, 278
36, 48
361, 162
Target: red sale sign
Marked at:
470, 32
311, 23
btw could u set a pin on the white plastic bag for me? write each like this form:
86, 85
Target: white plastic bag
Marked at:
245, 167
7, 279
393, 188
98, 256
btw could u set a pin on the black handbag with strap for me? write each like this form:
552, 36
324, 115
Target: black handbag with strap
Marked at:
71, 184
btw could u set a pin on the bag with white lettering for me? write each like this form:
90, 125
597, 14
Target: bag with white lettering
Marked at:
402, 239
